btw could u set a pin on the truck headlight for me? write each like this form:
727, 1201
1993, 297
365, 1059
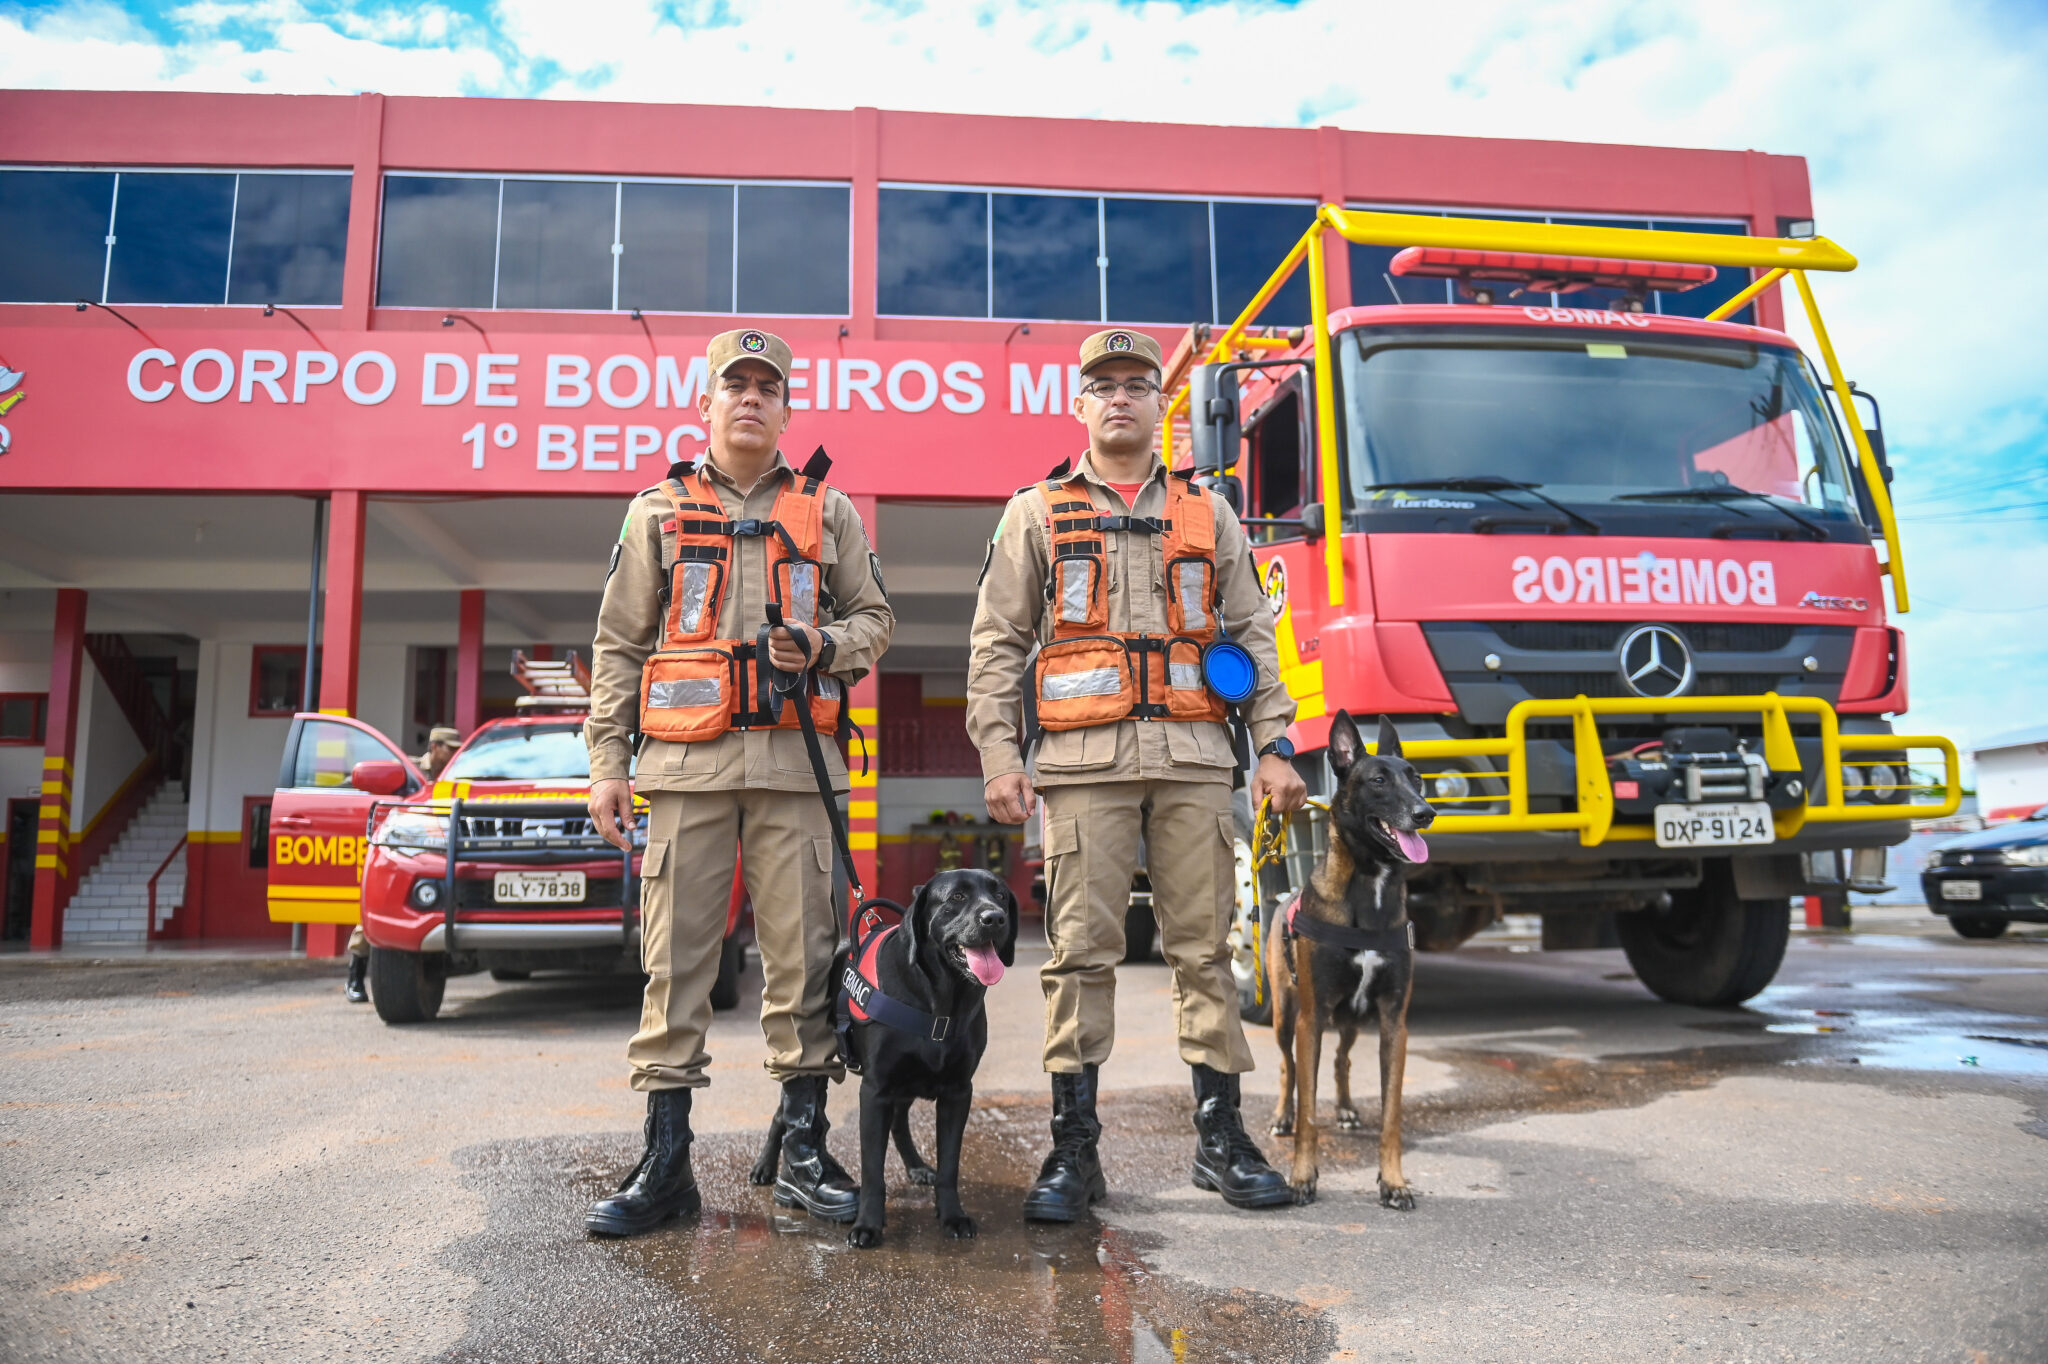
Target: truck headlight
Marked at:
410, 829
426, 894
2035, 856
1450, 786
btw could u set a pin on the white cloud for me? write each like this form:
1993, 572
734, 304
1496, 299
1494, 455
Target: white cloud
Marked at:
1925, 126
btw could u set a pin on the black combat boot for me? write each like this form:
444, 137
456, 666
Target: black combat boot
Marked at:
1227, 1161
1071, 1177
810, 1178
661, 1185
356, 991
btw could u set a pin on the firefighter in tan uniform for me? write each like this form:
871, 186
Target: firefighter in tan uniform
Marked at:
1120, 575
679, 659
442, 741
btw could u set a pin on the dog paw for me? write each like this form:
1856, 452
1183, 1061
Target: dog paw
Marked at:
924, 1175
960, 1228
864, 1238
1399, 1197
763, 1174
1304, 1191
1283, 1127
1348, 1120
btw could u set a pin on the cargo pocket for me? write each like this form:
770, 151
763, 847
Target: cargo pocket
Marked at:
1187, 689
686, 694
1076, 750
654, 892
821, 853
694, 593
1076, 585
1193, 586
1085, 681
796, 590
1200, 743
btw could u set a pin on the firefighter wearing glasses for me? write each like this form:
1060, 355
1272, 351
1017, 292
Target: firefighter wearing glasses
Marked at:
1103, 591
685, 657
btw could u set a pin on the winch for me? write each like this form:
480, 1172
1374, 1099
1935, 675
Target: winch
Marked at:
1697, 763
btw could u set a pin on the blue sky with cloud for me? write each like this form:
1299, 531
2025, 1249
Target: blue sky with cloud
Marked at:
1925, 127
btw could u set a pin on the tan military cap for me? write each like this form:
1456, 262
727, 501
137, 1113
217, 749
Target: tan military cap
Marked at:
1119, 345
444, 734
750, 343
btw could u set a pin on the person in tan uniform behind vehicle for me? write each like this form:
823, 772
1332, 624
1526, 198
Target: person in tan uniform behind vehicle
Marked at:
1120, 575
442, 741
680, 635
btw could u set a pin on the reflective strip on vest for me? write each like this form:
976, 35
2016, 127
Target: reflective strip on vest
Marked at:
1191, 580
1075, 576
685, 691
803, 591
696, 590
1185, 676
1086, 682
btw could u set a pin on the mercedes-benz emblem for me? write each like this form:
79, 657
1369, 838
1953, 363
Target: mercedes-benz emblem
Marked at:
1655, 662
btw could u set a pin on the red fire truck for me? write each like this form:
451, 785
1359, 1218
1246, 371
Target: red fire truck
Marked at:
495, 868
1615, 576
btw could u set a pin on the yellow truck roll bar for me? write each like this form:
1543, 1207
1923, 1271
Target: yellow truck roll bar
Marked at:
1776, 256
1593, 820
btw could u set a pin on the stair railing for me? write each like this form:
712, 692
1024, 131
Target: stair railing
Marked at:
161, 869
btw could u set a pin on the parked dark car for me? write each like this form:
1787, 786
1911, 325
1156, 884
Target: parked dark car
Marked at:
1985, 880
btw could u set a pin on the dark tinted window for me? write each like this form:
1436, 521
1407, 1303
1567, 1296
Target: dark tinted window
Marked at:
1158, 253
933, 253
678, 248
792, 249
291, 233
440, 242
1731, 281
1045, 248
1373, 281
54, 225
171, 238
1251, 241
555, 244
1598, 299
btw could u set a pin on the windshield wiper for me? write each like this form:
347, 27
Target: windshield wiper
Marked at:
1491, 484
1814, 531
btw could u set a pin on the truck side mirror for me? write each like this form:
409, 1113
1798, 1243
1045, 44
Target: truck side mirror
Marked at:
1873, 430
1312, 520
378, 777
1224, 486
1215, 430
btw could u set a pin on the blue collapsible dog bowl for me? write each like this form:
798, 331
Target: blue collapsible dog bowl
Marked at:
1229, 670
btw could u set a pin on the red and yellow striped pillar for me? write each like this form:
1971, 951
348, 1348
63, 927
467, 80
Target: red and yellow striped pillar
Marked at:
54, 884
864, 702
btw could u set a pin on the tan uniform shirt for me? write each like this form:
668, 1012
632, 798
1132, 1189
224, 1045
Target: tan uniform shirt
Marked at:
1013, 616
629, 629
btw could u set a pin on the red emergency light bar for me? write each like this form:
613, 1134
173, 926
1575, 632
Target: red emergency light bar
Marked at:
1549, 274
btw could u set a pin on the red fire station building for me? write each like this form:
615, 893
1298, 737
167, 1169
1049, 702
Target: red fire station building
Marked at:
390, 368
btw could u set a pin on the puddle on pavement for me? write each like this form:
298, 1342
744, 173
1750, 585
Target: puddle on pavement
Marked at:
749, 1281
1986, 1043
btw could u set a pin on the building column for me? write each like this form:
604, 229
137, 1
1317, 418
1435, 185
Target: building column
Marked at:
469, 661
341, 636
365, 204
53, 885
864, 704
867, 200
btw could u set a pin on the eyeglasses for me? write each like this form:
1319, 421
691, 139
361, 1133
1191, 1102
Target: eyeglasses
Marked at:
1102, 390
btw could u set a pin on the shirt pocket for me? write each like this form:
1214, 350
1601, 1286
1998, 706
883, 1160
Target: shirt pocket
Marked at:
1076, 750
1199, 744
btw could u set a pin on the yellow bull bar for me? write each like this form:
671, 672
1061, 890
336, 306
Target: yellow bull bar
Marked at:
1594, 818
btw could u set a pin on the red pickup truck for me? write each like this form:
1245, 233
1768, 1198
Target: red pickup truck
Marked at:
493, 867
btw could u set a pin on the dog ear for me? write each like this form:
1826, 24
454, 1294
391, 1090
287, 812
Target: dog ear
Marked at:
1390, 739
1007, 948
1345, 745
917, 910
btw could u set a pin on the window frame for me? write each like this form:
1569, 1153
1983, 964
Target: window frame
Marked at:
114, 217
256, 656
39, 728
618, 183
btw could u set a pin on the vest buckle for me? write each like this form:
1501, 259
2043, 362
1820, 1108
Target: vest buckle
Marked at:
753, 525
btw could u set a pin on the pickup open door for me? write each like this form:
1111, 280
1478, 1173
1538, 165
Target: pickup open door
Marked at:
317, 818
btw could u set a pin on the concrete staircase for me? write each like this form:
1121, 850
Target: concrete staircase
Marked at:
112, 904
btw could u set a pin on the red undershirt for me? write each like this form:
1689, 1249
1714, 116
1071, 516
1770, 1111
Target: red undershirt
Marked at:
1127, 491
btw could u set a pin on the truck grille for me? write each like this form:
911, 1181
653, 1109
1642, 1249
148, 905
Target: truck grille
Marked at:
1554, 660
477, 892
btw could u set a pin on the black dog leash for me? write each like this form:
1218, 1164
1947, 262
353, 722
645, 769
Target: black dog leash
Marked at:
793, 691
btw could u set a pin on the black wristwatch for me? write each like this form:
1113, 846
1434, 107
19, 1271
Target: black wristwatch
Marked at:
1282, 747
826, 649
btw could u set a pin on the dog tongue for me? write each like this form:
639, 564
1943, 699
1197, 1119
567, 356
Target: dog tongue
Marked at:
986, 965
1412, 846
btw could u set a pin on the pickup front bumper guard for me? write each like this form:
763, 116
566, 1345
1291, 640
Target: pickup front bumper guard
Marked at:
1594, 819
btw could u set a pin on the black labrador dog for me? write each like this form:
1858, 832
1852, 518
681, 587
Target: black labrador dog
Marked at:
915, 1028
1343, 957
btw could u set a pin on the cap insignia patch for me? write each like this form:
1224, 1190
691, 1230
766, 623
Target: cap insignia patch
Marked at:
753, 342
1117, 341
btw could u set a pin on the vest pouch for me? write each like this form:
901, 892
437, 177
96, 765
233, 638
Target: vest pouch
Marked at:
696, 587
1187, 693
1084, 681
796, 589
1076, 585
687, 695
1191, 596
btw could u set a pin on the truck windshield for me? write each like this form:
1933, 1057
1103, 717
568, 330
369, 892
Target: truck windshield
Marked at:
522, 753
1591, 417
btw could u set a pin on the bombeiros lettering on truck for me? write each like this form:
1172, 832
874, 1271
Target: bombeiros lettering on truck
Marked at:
1611, 557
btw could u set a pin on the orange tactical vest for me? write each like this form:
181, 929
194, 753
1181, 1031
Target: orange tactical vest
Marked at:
695, 687
1091, 675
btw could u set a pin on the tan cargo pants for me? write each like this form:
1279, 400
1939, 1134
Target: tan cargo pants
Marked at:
783, 843
1091, 852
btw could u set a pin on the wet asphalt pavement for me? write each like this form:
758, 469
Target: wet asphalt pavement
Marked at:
216, 1158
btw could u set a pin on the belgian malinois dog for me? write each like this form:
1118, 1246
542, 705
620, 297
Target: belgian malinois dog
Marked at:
1340, 954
